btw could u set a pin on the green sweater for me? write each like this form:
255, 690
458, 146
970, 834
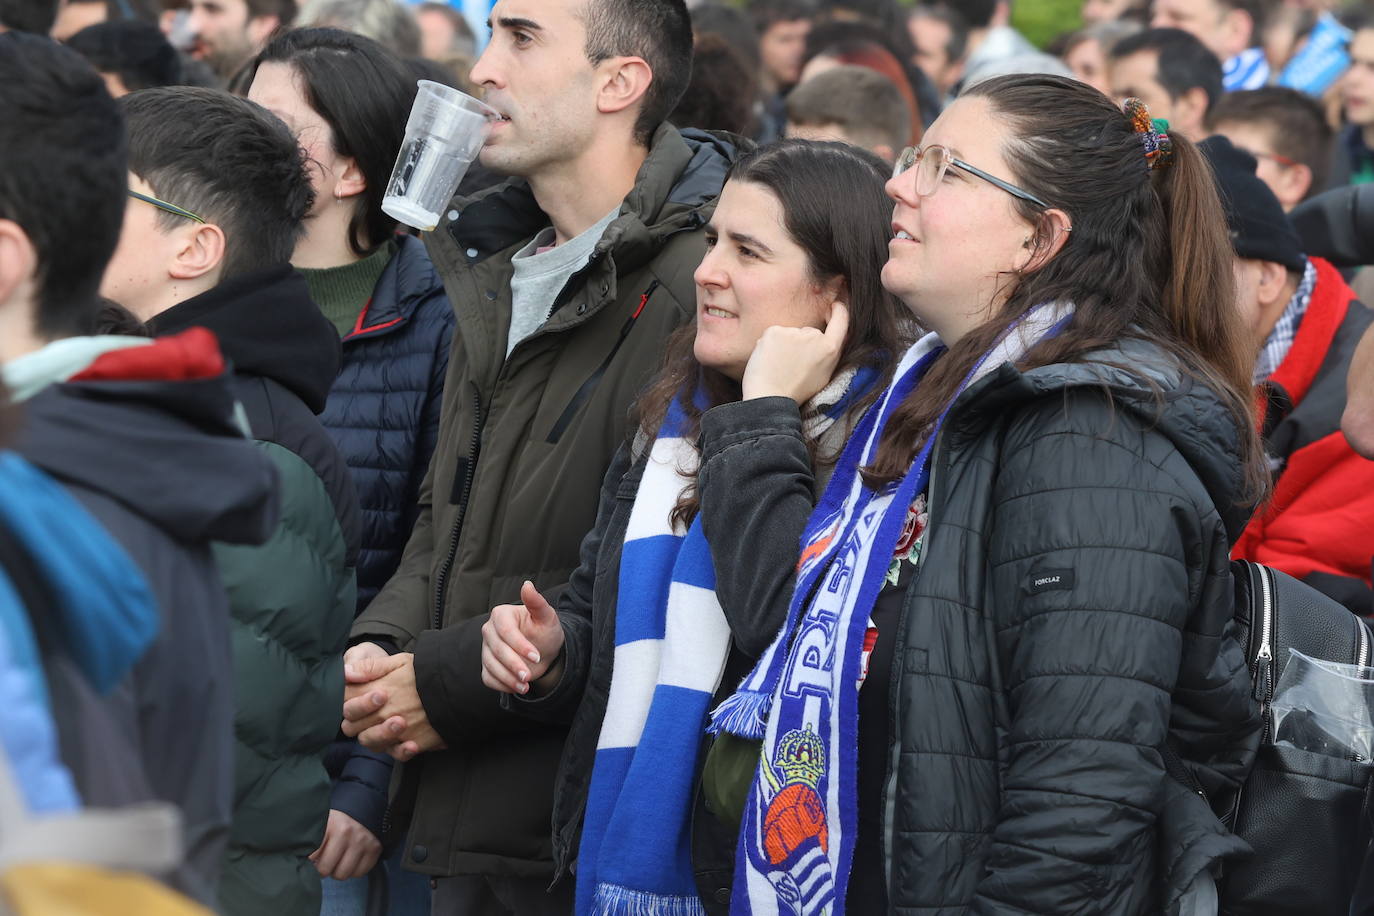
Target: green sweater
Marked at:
343, 292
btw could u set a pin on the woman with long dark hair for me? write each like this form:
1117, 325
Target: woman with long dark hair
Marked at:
687, 574
1012, 619
347, 98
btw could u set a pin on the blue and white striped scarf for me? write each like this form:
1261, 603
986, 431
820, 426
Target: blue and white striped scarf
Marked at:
800, 823
671, 644
1247, 70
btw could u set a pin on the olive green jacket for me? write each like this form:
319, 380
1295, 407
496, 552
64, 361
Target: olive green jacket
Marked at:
512, 489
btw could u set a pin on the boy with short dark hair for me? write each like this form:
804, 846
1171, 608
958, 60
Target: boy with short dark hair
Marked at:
219, 190
1286, 131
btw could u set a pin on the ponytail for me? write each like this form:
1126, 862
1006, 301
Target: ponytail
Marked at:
1199, 295
1198, 298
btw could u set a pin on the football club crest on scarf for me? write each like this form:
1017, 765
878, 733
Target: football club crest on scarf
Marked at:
800, 822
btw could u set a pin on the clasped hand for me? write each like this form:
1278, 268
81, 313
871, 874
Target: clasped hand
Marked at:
382, 707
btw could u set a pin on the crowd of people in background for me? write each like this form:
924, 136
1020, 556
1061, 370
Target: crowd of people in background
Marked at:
798, 474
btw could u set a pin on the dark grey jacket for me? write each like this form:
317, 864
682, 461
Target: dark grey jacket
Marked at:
1073, 607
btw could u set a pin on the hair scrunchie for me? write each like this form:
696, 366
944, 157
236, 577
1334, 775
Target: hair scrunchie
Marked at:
1154, 134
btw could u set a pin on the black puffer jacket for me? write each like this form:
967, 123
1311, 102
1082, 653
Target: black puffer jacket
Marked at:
1073, 607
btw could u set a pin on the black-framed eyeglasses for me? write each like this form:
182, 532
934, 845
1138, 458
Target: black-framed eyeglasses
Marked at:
933, 161
163, 205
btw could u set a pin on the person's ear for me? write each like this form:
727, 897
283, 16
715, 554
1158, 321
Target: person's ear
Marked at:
260, 28
624, 83
1272, 281
1240, 27
1189, 114
836, 289
198, 252
1294, 183
350, 181
1050, 238
18, 260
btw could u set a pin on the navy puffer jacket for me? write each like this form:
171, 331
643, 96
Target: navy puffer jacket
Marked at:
383, 413
383, 410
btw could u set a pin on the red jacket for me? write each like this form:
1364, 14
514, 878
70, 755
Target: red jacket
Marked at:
1319, 524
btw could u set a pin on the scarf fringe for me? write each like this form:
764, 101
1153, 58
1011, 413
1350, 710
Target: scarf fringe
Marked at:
743, 713
615, 900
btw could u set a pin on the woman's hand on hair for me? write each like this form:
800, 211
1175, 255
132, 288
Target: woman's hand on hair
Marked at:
521, 643
796, 363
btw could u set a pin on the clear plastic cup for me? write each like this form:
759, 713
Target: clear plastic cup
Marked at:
446, 131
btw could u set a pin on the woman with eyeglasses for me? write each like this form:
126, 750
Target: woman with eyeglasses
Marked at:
1015, 588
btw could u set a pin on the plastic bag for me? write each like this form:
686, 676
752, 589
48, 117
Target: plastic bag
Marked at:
1325, 708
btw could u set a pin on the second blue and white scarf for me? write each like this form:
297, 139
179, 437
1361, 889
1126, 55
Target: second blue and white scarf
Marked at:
671, 645
797, 839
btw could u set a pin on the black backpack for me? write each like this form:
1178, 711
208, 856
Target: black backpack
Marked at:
1305, 815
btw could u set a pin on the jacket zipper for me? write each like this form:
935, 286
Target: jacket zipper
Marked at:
1264, 659
1263, 673
441, 577
1362, 656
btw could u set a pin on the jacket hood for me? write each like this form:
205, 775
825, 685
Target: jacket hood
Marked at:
268, 326
165, 444
680, 179
1148, 381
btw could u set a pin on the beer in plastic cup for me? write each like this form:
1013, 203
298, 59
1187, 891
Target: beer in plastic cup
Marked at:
446, 131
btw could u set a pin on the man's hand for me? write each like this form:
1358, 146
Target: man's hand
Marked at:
520, 642
364, 650
349, 849
382, 707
